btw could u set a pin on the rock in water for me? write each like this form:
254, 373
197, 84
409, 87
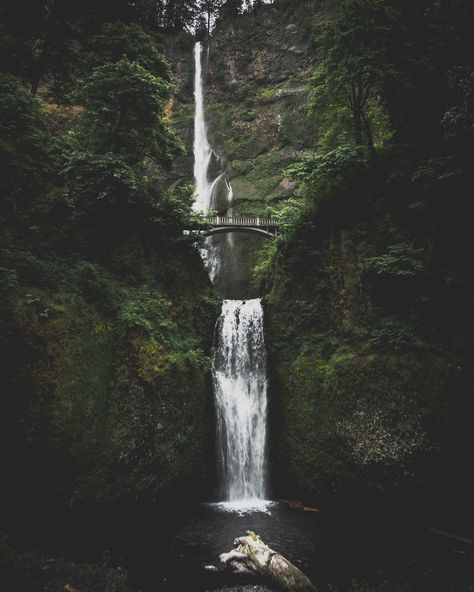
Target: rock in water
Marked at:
251, 555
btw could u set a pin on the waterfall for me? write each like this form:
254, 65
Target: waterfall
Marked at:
240, 388
206, 190
202, 150
239, 364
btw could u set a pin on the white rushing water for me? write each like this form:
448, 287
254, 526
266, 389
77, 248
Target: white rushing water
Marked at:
206, 189
202, 150
240, 388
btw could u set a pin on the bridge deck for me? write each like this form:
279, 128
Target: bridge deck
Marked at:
244, 221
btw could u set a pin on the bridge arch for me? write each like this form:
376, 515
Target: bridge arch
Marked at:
249, 229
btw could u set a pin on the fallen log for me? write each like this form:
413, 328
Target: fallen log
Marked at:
298, 505
252, 556
451, 535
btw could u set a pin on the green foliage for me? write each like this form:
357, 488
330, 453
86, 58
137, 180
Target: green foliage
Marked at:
172, 211
394, 334
10, 559
457, 119
96, 181
106, 156
334, 169
356, 62
24, 146
95, 284
21, 118
400, 260
110, 200
123, 113
230, 9
369, 308
103, 300
40, 38
178, 15
263, 270
289, 216
8, 279
432, 171
118, 41
146, 314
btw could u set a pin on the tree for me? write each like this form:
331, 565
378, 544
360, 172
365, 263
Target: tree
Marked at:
39, 36
179, 15
123, 113
201, 28
24, 148
257, 5
109, 153
231, 9
151, 12
210, 9
118, 40
356, 61
42, 39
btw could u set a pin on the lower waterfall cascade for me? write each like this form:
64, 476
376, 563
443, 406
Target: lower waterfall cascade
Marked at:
240, 389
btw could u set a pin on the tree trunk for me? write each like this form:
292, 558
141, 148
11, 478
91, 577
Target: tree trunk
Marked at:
357, 126
252, 556
39, 69
368, 131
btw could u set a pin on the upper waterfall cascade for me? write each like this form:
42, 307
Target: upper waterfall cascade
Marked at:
206, 189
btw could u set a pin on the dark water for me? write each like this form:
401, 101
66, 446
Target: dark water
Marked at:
211, 531
167, 546
328, 547
373, 546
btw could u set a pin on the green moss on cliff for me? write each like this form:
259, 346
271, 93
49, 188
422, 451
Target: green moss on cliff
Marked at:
108, 378
346, 419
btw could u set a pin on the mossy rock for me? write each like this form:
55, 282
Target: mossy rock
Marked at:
241, 167
249, 207
244, 147
345, 420
297, 129
285, 188
244, 189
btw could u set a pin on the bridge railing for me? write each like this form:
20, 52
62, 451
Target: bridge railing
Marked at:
250, 221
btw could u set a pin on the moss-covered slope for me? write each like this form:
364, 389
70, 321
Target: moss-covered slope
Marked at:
369, 355
107, 394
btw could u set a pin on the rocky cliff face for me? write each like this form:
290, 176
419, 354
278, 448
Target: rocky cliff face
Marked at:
256, 102
258, 70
